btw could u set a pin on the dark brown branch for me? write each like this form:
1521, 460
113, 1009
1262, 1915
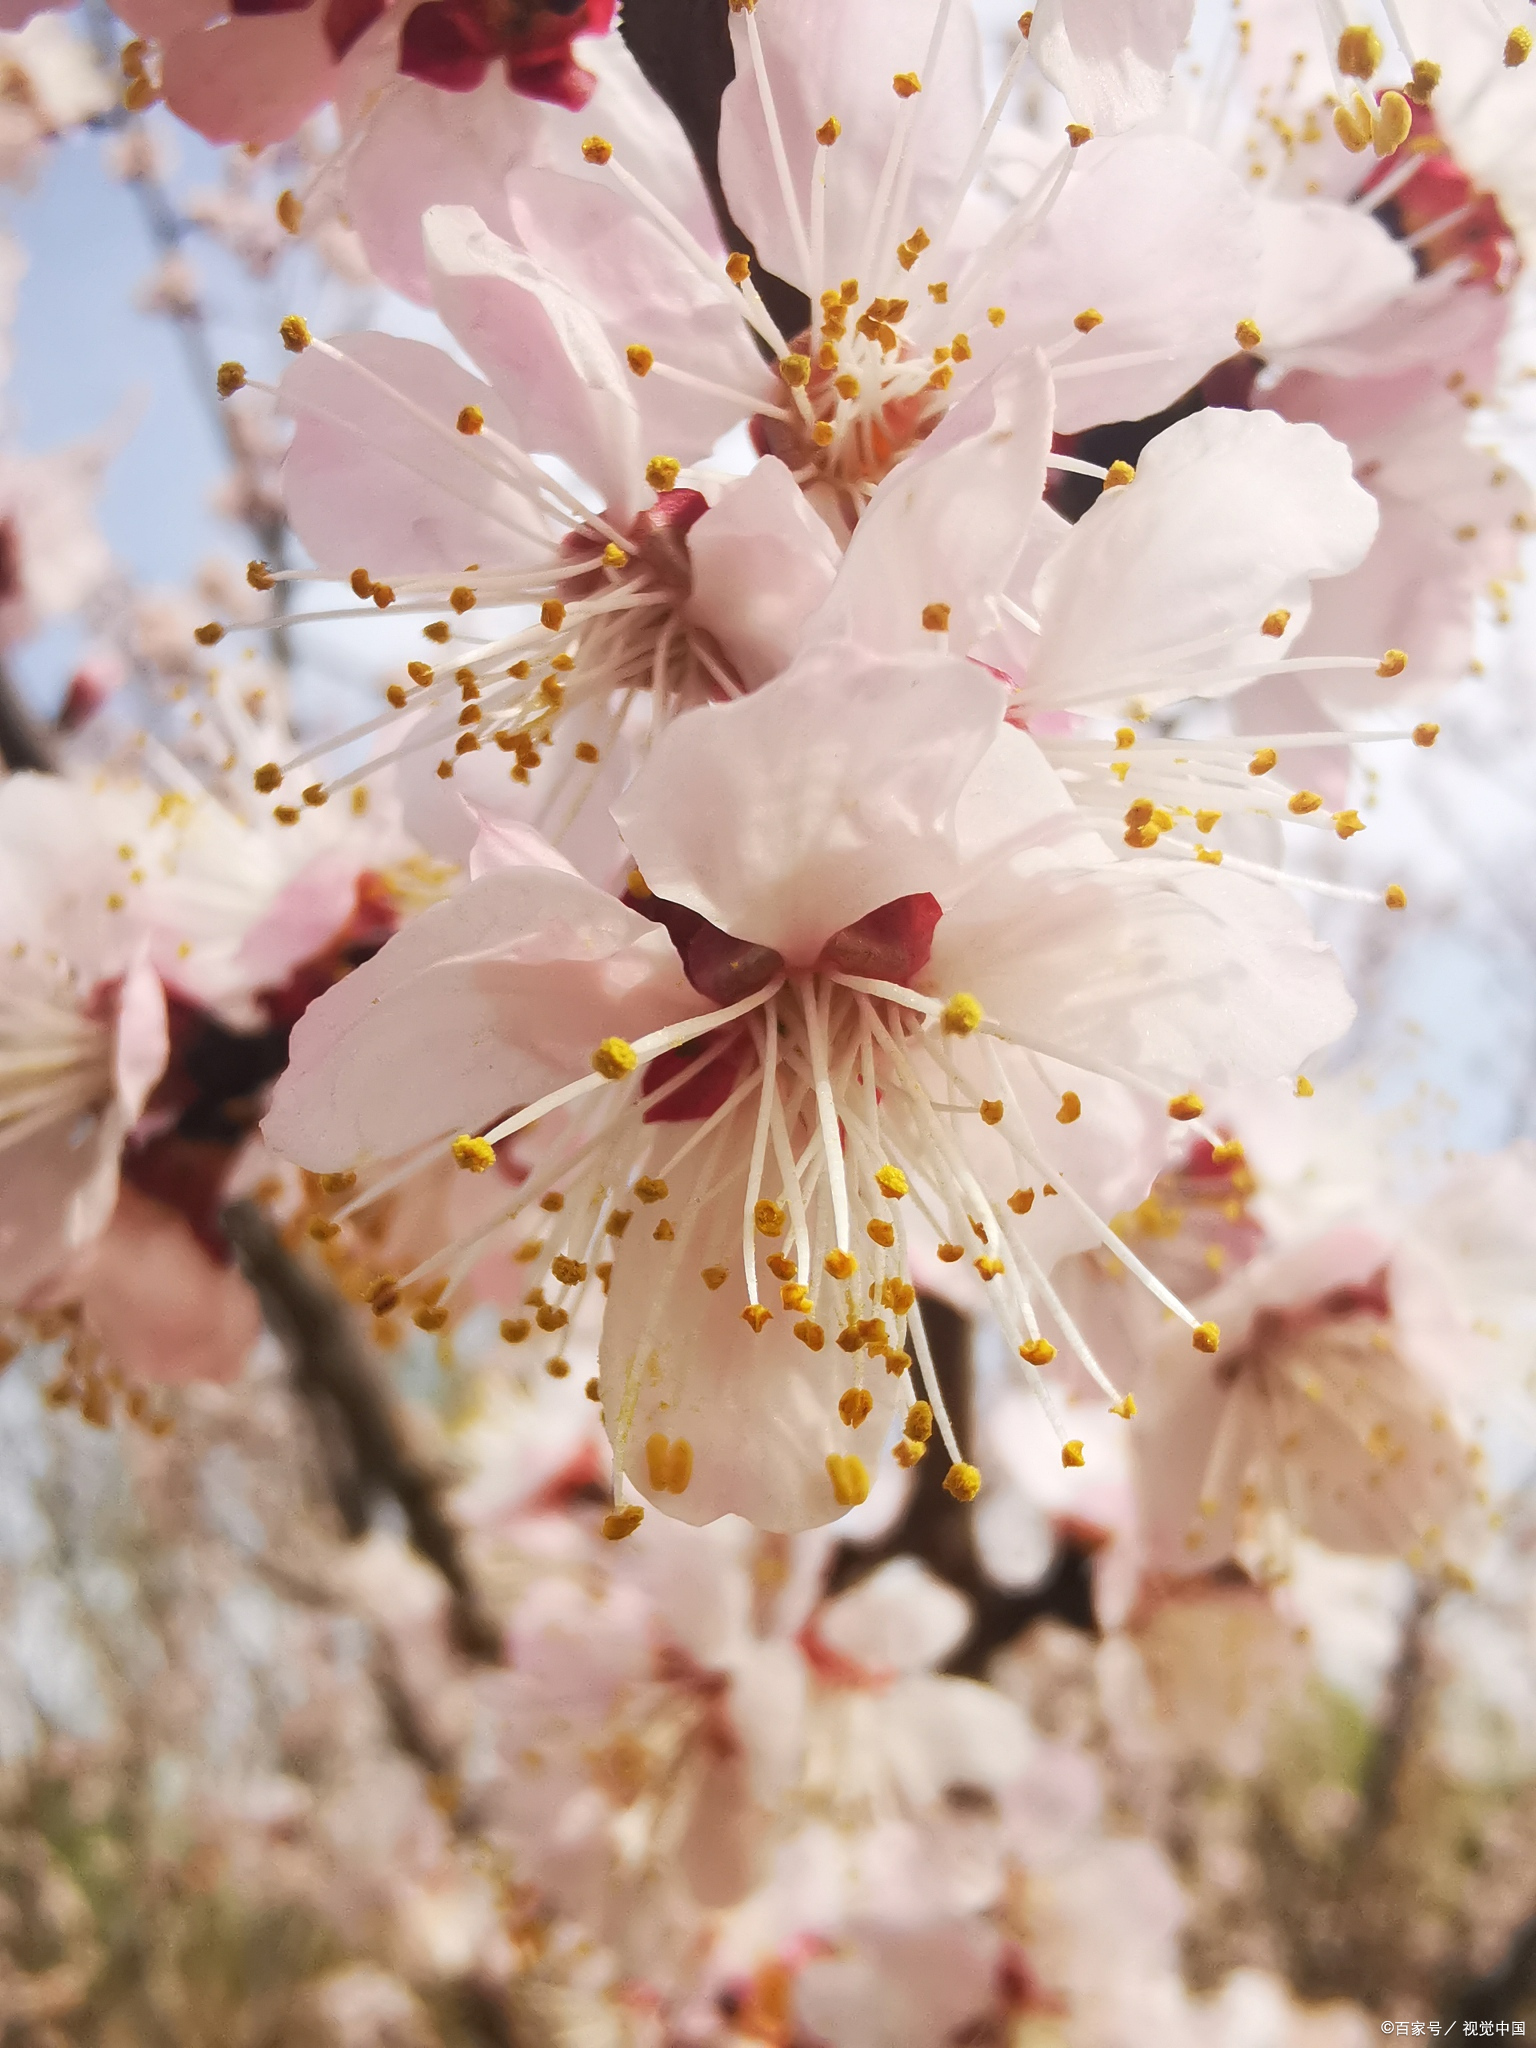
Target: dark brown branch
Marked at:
683, 47
942, 1532
334, 1374
24, 743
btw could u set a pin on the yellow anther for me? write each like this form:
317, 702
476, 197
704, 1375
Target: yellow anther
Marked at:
1206, 821
1247, 334
295, 333
935, 618
471, 420
1071, 1108
1086, 321
1426, 76
285, 814
1395, 896
439, 630
1304, 1087
1425, 735
568, 1271
229, 379
829, 131
585, 751
961, 1015
1360, 52
552, 614
558, 1368
1125, 1407
1118, 475
623, 1521
1353, 124
823, 433
662, 471
1393, 124
618, 1222
648, 1190
614, 556
1021, 1201
596, 150
840, 1265
991, 1112
962, 1482
209, 635
420, 673
1026, 22
769, 1218
1517, 47
337, 1183
908, 1452
960, 347
1263, 760
881, 1232
989, 1268
919, 1422
1037, 1351
1275, 624
430, 1318
321, 1229
473, 1154
996, 315
796, 1298
811, 1334
890, 1180
1125, 738
267, 778
1072, 1453
1228, 1153
848, 291
552, 1203
669, 1464
1078, 133
1392, 663
615, 1058
1304, 803
664, 1233
850, 1480
1209, 856
315, 795
550, 1319
738, 268
846, 387
290, 211
951, 1254
639, 358
897, 1295
795, 370
1206, 1337
855, 1405
906, 84
1140, 812
756, 1317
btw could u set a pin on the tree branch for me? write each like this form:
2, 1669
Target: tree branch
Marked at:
344, 1390
941, 1532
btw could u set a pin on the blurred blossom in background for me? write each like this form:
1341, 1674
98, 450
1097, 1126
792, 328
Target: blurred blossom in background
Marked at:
767, 1024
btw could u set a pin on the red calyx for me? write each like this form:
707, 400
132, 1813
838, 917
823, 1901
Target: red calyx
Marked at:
452, 44
892, 943
711, 1063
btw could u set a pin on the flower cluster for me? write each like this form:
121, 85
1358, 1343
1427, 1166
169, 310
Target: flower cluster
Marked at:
752, 914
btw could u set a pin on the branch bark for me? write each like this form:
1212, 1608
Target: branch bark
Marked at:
941, 1532
340, 1383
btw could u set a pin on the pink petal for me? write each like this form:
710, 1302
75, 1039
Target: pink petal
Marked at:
793, 812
